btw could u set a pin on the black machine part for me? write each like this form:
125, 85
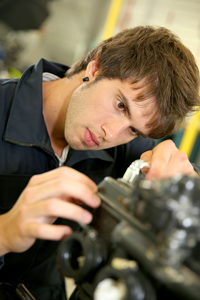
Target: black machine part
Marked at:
154, 225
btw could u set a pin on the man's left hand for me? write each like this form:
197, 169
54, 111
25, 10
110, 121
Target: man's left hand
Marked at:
167, 160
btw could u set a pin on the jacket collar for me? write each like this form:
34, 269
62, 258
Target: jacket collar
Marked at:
26, 125
26, 122
77, 156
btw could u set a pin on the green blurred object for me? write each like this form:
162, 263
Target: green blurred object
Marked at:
14, 73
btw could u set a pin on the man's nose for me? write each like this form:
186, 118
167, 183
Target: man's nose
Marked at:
113, 130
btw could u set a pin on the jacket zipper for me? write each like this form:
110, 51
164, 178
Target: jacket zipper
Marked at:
33, 145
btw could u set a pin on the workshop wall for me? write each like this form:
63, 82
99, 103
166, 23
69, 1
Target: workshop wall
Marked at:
71, 27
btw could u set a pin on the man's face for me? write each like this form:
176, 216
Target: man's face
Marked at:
104, 114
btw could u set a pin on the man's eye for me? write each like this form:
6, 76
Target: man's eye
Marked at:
133, 131
120, 105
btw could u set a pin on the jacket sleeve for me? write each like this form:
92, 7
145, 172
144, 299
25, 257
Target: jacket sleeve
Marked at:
196, 168
1, 261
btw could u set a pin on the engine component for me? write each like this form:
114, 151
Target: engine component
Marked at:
143, 241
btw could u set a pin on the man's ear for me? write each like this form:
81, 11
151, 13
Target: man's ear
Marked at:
92, 69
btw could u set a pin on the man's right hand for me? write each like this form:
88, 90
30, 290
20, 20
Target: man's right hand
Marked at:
47, 197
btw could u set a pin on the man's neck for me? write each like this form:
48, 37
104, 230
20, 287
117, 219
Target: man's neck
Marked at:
58, 146
56, 96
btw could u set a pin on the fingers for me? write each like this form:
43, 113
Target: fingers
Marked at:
43, 210
146, 156
47, 197
159, 161
166, 161
64, 183
65, 189
48, 232
65, 173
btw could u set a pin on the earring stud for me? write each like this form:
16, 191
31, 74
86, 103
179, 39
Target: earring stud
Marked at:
85, 79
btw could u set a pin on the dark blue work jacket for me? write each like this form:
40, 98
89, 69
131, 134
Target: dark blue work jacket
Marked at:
25, 150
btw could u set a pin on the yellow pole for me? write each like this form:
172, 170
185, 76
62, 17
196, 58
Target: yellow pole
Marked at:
190, 134
112, 17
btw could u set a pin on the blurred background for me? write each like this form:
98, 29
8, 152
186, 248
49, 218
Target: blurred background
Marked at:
64, 30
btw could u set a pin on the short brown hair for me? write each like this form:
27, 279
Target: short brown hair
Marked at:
155, 58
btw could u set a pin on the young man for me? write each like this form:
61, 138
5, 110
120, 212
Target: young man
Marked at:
140, 83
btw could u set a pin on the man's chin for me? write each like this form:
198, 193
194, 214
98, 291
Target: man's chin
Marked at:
77, 146
83, 147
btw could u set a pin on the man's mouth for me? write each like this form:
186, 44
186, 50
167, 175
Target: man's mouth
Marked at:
90, 138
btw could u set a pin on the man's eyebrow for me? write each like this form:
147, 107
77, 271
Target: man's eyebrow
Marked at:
125, 100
